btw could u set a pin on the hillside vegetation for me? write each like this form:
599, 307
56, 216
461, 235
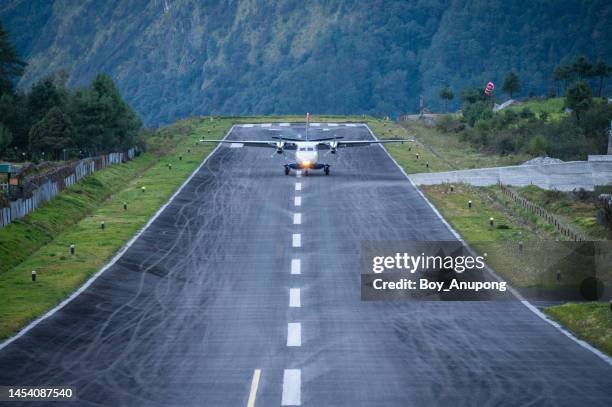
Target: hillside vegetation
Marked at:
175, 58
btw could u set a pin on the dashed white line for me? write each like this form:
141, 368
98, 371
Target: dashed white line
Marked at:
297, 218
247, 125
298, 186
294, 298
297, 240
332, 124
315, 124
292, 387
296, 266
254, 386
236, 145
298, 201
266, 125
298, 174
294, 334
285, 124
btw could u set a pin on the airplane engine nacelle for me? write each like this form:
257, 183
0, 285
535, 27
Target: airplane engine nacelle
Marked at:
333, 147
280, 146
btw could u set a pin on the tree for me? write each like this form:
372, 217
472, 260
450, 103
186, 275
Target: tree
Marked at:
11, 65
563, 74
15, 116
579, 98
5, 138
511, 84
446, 94
53, 133
102, 119
473, 95
582, 67
601, 70
43, 96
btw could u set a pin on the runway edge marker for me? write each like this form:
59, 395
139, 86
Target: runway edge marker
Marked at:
607, 359
117, 256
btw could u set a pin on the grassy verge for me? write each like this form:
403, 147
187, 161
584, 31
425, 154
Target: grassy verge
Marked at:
575, 209
75, 216
552, 107
525, 268
591, 322
458, 154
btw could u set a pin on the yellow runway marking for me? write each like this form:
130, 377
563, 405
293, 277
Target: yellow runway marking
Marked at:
254, 386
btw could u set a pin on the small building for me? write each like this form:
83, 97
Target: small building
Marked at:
9, 177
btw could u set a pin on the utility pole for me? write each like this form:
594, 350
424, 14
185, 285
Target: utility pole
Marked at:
610, 139
421, 105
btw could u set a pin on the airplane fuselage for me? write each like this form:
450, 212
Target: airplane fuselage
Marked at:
306, 155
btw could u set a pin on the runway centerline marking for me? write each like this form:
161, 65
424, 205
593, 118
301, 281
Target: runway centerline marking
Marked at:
292, 387
298, 186
254, 386
298, 201
296, 266
294, 298
294, 334
297, 240
297, 218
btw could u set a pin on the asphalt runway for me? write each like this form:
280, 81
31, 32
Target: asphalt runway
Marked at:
223, 283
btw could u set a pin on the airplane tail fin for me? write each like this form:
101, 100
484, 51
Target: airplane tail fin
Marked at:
307, 124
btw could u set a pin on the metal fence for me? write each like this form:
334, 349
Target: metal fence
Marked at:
50, 185
543, 213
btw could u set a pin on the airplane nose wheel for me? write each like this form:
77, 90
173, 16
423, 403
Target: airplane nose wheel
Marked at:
326, 170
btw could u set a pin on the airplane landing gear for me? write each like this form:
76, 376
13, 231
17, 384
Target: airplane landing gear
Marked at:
286, 170
305, 173
326, 169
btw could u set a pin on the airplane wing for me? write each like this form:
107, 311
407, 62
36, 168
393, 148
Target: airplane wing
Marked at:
357, 143
287, 145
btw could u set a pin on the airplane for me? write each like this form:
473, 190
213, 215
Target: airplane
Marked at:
307, 149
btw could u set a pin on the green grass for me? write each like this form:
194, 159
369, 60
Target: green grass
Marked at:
524, 268
580, 214
24, 236
553, 107
406, 154
74, 216
446, 151
589, 321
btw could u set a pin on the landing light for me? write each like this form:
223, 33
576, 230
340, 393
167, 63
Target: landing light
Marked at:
306, 163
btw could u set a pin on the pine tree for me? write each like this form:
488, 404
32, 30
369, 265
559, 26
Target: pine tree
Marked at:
602, 71
11, 65
52, 134
102, 119
511, 84
579, 98
446, 94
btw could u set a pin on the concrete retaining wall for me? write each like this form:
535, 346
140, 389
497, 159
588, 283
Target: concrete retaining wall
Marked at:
563, 177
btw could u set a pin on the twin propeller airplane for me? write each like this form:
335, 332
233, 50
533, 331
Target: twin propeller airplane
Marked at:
306, 150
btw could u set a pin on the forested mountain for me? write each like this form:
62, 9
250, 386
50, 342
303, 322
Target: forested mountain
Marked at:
173, 58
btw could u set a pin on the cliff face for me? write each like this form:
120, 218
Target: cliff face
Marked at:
174, 58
